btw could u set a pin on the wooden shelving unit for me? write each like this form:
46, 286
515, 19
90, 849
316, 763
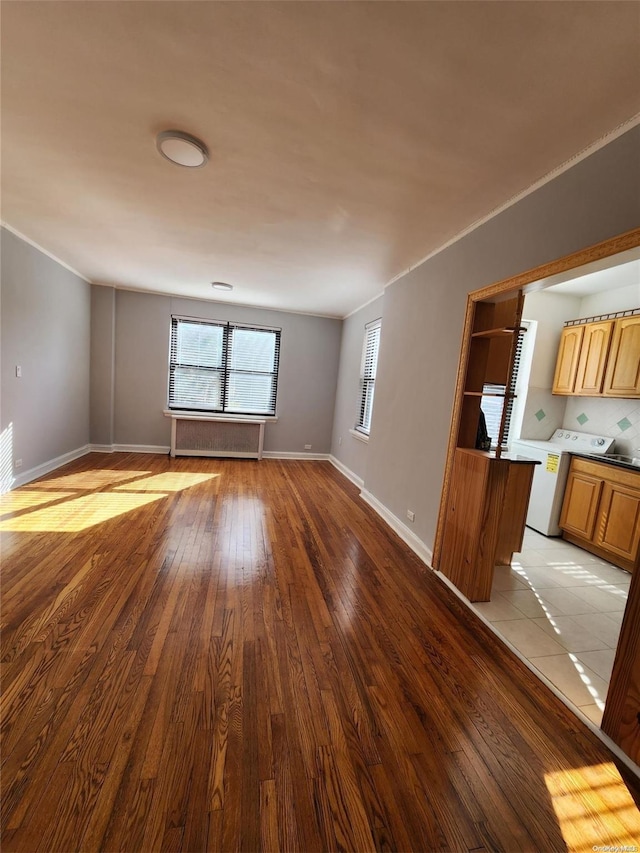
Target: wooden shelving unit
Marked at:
477, 533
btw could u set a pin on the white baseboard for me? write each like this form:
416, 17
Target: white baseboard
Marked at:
293, 454
408, 536
161, 449
47, 467
348, 473
142, 448
130, 448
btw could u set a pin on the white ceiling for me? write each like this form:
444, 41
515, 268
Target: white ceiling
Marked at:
348, 140
599, 281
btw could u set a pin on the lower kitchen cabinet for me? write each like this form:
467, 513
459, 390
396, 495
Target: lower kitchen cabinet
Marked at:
580, 507
601, 511
619, 514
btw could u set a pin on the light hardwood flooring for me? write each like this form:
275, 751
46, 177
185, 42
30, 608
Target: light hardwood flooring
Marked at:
203, 654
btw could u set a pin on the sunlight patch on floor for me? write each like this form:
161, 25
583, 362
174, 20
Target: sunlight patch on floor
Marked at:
75, 515
27, 498
598, 700
6, 458
587, 681
171, 481
96, 478
594, 808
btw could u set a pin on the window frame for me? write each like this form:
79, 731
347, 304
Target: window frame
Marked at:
367, 382
224, 370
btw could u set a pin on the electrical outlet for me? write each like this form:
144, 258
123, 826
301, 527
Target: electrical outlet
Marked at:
18, 371
18, 463
307, 447
411, 515
339, 439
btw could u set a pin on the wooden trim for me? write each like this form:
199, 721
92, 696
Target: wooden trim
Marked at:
455, 427
620, 720
605, 249
513, 286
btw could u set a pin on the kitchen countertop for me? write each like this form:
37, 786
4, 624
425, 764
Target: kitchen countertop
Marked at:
507, 455
608, 460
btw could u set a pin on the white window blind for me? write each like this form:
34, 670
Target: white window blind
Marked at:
493, 399
223, 367
368, 370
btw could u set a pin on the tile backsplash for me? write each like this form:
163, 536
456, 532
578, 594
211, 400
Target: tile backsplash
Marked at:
619, 419
544, 413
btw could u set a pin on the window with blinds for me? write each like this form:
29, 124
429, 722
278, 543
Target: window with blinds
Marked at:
368, 374
496, 397
223, 367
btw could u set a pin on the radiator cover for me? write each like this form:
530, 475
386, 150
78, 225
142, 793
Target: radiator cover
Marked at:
193, 436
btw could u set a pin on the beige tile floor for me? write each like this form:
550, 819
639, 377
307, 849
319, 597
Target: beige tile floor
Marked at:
562, 608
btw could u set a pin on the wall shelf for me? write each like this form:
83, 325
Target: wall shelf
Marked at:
504, 394
503, 332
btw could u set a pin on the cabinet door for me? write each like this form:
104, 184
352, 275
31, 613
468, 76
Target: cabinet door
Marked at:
472, 523
580, 505
623, 368
564, 380
593, 358
618, 522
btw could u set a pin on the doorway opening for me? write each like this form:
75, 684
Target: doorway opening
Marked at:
569, 614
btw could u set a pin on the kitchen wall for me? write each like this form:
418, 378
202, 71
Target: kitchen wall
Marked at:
618, 299
45, 330
424, 312
130, 383
545, 412
103, 343
348, 450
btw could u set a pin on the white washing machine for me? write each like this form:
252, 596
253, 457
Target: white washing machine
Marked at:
550, 477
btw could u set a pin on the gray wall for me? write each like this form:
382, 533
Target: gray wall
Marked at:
351, 451
45, 330
424, 311
103, 326
310, 348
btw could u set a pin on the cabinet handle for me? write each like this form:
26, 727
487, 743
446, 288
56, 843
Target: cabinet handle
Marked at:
638, 718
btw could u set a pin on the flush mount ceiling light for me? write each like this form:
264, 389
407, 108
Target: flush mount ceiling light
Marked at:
221, 285
182, 149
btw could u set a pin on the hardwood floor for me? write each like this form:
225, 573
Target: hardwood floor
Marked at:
203, 654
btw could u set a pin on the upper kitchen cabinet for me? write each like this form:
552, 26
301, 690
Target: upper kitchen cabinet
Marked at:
600, 359
593, 358
623, 367
564, 380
